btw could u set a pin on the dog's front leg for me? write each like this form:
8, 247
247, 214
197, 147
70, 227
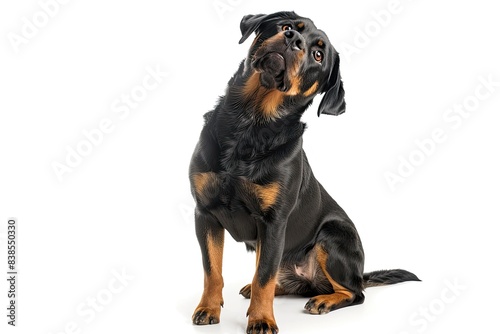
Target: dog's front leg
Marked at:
269, 249
211, 239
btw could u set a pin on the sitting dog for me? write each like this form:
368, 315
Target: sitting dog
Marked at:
250, 176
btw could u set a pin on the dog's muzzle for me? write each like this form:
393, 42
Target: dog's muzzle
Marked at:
273, 59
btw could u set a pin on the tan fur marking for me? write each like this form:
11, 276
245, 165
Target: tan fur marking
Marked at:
295, 78
270, 103
215, 252
261, 302
200, 181
295, 86
341, 293
311, 89
246, 291
321, 43
211, 299
267, 194
257, 254
252, 85
300, 25
325, 303
261, 310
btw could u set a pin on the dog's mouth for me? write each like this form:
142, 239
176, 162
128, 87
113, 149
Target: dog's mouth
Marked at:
272, 68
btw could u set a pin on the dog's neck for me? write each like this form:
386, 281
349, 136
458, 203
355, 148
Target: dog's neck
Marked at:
252, 132
262, 105
243, 134
251, 108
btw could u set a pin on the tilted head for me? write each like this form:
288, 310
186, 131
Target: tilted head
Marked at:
289, 62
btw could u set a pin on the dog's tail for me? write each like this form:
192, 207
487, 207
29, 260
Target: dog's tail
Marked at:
386, 277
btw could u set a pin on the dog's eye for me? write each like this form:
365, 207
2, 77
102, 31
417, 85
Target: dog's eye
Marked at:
318, 56
286, 27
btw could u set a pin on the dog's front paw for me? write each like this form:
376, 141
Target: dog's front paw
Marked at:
262, 326
206, 316
246, 291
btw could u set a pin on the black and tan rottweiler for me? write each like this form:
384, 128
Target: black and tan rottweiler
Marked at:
250, 176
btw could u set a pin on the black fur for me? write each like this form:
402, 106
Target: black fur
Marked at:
386, 277
251, 177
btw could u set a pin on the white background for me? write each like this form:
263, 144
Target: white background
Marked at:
127, 205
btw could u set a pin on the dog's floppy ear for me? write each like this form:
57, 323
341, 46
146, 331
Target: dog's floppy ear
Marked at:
333, 102
250, 23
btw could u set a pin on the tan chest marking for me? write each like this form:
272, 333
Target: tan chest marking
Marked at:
267, 194
202, 181
207, 185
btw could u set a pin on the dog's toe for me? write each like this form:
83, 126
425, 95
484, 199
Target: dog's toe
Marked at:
205, 316
246, 291
262, 327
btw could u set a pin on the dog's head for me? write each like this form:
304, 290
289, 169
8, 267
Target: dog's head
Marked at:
291, 56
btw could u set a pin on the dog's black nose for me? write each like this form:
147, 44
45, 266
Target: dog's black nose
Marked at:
294, 40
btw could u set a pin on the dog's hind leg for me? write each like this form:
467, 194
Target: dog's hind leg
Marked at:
340, 256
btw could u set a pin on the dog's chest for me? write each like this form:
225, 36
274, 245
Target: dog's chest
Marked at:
223, 190
243, 156
235, 201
